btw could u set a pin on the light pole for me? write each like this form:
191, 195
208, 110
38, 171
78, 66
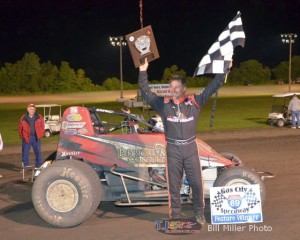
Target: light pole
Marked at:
119, 41
289, 38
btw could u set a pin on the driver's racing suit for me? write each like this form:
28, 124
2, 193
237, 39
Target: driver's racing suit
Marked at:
180, 121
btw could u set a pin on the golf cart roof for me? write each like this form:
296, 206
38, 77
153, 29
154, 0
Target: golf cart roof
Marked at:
47, 105
282, 95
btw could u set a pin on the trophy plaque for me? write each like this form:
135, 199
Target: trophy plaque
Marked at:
142, 45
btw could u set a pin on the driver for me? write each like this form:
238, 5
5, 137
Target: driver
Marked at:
179, 114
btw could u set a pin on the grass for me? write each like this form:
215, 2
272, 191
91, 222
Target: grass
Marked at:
236, 113
231, 113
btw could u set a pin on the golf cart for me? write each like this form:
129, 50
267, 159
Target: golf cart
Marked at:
52, 118
279, 113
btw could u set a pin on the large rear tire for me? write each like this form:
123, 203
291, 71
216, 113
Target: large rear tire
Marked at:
66, 193
236, 176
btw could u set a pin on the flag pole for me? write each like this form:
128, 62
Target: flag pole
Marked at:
226, 78
212, 116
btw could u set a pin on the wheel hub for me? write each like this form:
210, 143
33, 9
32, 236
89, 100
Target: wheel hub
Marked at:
237, 181
62, 196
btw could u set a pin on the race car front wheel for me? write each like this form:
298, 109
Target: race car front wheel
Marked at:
66, 193
240, 175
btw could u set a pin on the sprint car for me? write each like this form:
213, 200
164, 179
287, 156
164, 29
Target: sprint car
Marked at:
123, 162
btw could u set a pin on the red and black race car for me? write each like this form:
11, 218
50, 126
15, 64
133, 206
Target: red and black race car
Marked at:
123, 162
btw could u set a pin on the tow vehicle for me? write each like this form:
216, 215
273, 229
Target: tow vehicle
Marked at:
121, 161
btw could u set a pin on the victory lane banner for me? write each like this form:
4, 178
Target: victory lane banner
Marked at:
235, 204
161, 89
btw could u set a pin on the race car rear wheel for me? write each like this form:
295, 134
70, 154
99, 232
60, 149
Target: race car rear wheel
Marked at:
66, 193
240, 175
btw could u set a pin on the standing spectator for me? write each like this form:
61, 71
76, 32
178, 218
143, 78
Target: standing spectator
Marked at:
294, 109
31, 130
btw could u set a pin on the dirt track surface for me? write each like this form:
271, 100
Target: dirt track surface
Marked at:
274, 150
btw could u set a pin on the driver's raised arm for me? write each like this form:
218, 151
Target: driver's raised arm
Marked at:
152, 99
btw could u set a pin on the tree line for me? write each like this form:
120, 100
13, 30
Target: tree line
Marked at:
29, 75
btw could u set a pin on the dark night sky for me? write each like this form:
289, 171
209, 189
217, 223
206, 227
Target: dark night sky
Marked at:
78, 31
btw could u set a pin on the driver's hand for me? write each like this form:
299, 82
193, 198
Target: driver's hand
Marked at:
144, 66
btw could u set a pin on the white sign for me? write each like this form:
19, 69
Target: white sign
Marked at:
160, 89
235, 204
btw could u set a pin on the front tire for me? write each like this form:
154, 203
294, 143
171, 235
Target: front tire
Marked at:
66, 193
236, 176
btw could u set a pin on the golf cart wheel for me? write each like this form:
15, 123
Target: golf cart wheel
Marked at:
232, 157
269, 121
47, 133
238, 176
66, 193
280, 123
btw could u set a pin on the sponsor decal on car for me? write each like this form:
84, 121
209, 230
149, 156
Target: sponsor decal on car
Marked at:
70, 125
70, 131
82, 131
143, 156
73, 117
139, 155
72, 153
73, 109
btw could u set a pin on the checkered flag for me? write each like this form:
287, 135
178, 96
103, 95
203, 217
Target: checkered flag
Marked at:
218, 200
251, 198
219, 55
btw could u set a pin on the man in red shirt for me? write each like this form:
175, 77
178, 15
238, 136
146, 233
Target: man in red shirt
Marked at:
31, 130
